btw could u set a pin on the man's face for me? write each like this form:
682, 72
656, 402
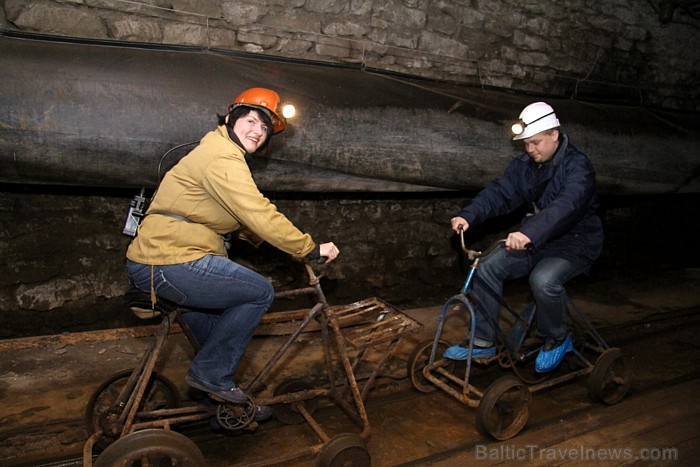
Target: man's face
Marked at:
542, 146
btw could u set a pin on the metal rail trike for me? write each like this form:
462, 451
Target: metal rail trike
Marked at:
503, 408
131, 417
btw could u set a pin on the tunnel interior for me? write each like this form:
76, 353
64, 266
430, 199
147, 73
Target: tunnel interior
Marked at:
63, 250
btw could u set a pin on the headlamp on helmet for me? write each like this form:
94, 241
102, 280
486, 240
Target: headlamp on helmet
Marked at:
518, 127
288, 110
534, 118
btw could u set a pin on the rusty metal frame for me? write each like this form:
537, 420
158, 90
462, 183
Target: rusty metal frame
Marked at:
346, 332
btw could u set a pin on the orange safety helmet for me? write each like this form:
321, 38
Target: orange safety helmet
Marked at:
266, 100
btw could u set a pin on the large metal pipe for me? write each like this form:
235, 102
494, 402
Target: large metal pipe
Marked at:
103, 114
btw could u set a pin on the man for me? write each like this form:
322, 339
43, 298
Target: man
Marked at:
558, 239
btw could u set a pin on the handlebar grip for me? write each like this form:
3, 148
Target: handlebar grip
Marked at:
322, 260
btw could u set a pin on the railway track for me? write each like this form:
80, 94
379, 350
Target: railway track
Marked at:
411, 428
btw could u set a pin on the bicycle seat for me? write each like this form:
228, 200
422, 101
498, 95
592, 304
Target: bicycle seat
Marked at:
139, 302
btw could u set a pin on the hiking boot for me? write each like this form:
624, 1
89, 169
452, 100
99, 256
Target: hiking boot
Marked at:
460, 352
234, 395
552, 353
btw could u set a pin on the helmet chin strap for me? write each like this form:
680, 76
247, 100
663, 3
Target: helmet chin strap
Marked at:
234, 137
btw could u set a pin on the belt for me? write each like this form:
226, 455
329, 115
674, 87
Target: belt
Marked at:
227, 237
174, 216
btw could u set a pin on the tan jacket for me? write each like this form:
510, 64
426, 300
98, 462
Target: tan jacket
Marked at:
212, 187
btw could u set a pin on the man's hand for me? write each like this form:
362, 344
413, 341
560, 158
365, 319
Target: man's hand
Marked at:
329, 250
517, 241
459, 223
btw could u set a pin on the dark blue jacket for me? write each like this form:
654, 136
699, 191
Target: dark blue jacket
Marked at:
562, 195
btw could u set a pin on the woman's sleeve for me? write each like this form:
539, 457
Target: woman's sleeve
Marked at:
229, 181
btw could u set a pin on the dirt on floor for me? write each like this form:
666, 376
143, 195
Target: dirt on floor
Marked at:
46, 383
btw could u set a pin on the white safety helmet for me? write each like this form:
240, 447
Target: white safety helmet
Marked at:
534, 118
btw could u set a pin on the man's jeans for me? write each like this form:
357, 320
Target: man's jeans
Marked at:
234, 300
547, 279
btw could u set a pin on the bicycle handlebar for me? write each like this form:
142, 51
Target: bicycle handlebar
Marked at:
474, 254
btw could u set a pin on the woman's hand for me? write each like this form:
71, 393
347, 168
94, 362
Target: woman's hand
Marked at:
329, 250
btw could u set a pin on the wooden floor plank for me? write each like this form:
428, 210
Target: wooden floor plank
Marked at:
667, 420
662, 420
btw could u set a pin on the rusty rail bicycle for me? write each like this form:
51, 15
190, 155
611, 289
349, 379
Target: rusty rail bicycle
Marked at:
503, 408
132, 417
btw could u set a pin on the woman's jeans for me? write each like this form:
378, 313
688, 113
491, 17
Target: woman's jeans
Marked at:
547, 279
231, 300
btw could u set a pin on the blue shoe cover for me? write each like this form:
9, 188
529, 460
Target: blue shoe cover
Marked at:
457, 352
548, 360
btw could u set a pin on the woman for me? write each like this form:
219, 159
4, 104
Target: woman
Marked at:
179, 253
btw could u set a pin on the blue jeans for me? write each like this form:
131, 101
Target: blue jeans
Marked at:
230, 300
547, 278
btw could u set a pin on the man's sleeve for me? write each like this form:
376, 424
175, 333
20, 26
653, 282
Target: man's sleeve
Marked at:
500, 197
570, 205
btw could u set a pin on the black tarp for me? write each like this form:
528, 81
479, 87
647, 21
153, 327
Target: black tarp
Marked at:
103, 114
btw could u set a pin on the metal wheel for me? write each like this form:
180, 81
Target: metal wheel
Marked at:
100, 413
154, 447
504, 409
610, 378
346, 450
288, 413
419, 358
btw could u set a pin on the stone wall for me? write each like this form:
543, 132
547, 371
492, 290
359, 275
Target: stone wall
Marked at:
62, 254
62, 251
622, 50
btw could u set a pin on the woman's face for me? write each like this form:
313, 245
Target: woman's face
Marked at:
251, 131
